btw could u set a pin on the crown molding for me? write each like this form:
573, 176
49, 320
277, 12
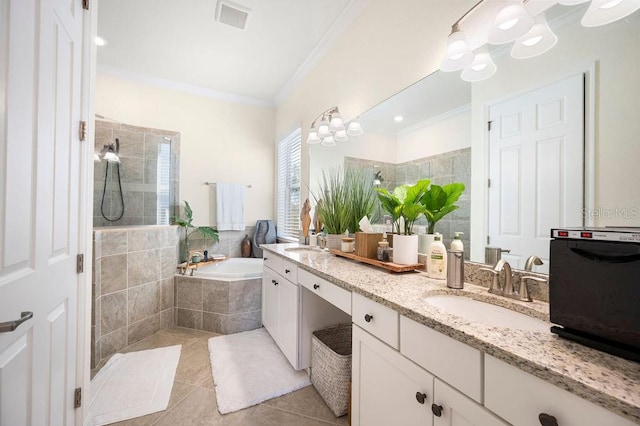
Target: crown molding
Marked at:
432, 120
346, 17
181, 86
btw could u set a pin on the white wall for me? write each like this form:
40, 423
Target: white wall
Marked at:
448, 132
220, 141
391, 45
617, 125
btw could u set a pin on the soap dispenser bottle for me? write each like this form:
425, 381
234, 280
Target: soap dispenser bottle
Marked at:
437, 258
456, 244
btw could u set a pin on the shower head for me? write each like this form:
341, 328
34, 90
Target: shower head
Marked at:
110, 152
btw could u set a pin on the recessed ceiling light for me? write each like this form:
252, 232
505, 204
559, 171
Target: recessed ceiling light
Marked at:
99, 41
398, 118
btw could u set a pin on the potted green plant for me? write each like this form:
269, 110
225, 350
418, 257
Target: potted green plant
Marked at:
332, 206
187, 223
361, 198
439, 201
403, 204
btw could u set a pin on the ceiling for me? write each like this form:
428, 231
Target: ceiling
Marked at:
181, 42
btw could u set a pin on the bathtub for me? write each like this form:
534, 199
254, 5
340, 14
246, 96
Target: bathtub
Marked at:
235, 268
227, 296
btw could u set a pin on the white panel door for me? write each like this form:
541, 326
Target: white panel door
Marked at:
536, 167
288, 302
451, 408
40, 94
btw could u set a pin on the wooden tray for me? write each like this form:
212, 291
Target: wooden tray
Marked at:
389, 266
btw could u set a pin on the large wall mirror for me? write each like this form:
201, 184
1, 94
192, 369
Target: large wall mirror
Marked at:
562, 149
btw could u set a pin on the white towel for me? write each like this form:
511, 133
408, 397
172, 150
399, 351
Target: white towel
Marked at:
230, 206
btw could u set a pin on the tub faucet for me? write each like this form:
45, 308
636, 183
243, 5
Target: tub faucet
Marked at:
532, 260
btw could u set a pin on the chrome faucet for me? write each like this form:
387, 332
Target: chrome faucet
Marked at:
496, 287
508, 289
532, 260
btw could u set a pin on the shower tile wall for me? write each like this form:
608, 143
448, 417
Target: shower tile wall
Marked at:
133, 286
442, 169
140, 150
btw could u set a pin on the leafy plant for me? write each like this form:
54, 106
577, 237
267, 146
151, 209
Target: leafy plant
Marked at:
187, 223
404, 202
439, 201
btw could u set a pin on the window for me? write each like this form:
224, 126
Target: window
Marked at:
288, 214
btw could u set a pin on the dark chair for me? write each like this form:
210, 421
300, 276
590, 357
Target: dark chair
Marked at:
265, 234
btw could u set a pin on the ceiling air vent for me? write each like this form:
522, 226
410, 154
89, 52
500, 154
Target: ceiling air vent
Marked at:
232, 14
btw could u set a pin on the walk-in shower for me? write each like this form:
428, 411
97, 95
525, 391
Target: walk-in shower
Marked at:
135, 175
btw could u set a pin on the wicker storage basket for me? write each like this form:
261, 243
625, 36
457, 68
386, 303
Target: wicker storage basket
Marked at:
331, 366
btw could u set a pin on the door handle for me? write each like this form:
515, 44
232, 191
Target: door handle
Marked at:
9, 326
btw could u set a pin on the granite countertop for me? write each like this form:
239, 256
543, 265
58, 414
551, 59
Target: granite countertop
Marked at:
606, 380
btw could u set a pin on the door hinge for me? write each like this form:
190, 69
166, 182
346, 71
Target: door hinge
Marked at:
80, 264
85, 4
83, 131
488, 183
77, 398
488, 240
489, 125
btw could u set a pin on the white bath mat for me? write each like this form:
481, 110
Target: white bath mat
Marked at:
133, 385
249, 368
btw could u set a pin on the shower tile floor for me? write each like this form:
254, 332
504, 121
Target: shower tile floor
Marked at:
193, 399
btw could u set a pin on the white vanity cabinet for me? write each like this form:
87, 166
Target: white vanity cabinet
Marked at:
522, 399
280, 306
387, 388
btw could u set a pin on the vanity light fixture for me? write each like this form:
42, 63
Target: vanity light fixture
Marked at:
537, 41
481, 68
602, 12
511, 22
329, 128
532, 35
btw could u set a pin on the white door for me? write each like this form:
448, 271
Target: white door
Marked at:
269, 302
40, 94
388, 389
536, 168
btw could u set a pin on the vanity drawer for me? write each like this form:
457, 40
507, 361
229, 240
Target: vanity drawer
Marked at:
520, 398
330, 292
378, 320
454, 362
289, 270
273, 261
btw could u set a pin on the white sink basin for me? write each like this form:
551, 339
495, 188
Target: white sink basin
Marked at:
486, 313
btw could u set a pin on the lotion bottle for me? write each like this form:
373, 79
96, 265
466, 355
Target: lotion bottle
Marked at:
456, 244
437, 258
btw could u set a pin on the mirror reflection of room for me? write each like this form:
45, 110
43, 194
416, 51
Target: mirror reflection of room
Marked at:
539, 144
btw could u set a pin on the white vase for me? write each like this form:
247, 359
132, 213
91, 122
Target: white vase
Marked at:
424, 241
405, 249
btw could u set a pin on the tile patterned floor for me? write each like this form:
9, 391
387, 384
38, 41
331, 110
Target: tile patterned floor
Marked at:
193, 400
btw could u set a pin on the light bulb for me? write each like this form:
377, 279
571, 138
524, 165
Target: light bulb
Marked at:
537, 41
313, 138
328, 141
457, 53
323, 128
354, 129
511, 22
336, 122
341, 136
602, 12
481, 68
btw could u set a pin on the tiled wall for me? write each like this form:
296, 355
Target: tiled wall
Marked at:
219, 306
442, 169
228, 242
145, 185
133, 286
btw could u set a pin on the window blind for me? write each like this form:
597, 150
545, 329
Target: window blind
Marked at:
288, 213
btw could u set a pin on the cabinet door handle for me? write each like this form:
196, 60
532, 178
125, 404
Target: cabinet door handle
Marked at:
275, 282
436, 410
316, 286
286, 271
265, 258
547, 420
368, 317
421, 397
